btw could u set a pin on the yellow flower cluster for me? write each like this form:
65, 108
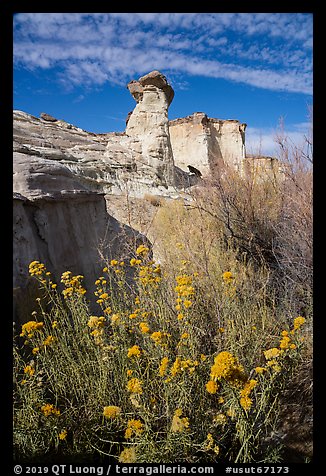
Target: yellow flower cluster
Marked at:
160, 338
63, 434
36, 268
29, 328
273, 353
184, 290
163, 366
285, 342
245, 400
150, 275
227, 277
48, 341
116, 265
128, 455
180, 366
142, 250
111, 411
179, 424
260, 370
144, 327
134, 351
50, 409
184, 286
135, 262
115, 318
97, 324
298, 322
101, 292
29, 370
212, 387
72, 285
134, 428
228, 280
134, 385
227, 367
210, 445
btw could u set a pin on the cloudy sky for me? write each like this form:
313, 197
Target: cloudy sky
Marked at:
254, 67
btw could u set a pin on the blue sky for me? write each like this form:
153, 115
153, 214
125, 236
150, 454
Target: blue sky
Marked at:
254, 67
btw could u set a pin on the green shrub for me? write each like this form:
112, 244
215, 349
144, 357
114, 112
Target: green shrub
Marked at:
184, 364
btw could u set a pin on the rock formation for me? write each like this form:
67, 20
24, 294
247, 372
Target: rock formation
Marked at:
65, 178
207, 144
149, 125
60, 217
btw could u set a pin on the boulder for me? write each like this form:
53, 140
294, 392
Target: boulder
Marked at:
47, 117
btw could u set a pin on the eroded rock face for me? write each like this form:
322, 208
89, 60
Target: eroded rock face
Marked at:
148, 124
60, 217
65, 177
208, 144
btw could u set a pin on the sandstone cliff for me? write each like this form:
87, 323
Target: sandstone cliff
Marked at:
60, 216
67, 180
207, 144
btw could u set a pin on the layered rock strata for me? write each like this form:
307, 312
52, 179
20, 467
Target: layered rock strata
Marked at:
148, 124
59, 221
208, 144
65, 178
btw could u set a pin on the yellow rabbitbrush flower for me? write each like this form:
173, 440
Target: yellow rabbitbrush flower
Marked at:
48, 341
144, 327
179, 424
134, 351
227, 277
128, 455
30, 327
50, 409
211, 387
298, 322
285, 342
163, 366
272, 353
36, 268
227, 367
260, 370
142, 250
160, 338
134, 428
134, 385
95, 322
29, 370
134, 261
63, 434
149, 276
209, 444
72, 284
245, 400
111, 411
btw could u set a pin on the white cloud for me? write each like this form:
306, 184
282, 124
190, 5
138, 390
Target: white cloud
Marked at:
263, 141
262, 50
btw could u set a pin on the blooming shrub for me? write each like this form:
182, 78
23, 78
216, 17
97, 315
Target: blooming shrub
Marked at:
152, 377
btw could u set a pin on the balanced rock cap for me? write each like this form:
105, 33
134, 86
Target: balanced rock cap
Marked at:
154, 78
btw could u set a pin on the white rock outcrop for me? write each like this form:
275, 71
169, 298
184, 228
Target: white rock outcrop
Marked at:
65, 178
208, 144
149, 126
60, 215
